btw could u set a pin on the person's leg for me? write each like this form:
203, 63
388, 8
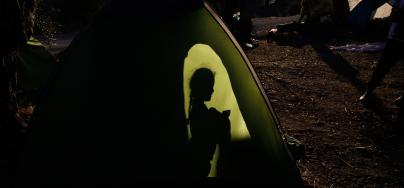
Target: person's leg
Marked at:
390, 56
245, 21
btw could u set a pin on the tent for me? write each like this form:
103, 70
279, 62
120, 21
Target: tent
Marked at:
119, 104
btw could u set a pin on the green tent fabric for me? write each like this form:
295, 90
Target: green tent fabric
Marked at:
119, 104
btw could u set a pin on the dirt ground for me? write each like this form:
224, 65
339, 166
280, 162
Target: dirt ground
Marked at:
315, 93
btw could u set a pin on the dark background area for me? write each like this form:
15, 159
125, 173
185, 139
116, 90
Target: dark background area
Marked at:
64, 16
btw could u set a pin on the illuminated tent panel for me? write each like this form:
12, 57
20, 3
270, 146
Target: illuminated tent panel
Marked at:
120, 102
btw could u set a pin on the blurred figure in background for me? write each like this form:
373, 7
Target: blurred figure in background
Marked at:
240, 25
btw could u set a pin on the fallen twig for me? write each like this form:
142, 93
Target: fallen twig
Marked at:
346, 163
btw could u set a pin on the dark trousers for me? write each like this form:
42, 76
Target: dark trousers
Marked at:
242, 29
392, 54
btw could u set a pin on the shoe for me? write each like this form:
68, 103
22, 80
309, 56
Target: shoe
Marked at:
366, 97
248, 46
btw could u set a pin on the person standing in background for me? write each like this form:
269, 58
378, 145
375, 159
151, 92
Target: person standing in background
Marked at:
241, 27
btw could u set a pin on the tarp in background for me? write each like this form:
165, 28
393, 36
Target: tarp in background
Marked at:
367, 47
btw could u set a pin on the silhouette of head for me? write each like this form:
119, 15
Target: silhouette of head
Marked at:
201, 84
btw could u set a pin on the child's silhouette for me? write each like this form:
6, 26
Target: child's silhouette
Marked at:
209, 127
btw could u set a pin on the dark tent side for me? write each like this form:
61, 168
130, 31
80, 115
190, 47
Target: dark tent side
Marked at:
120, 102
34, 64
